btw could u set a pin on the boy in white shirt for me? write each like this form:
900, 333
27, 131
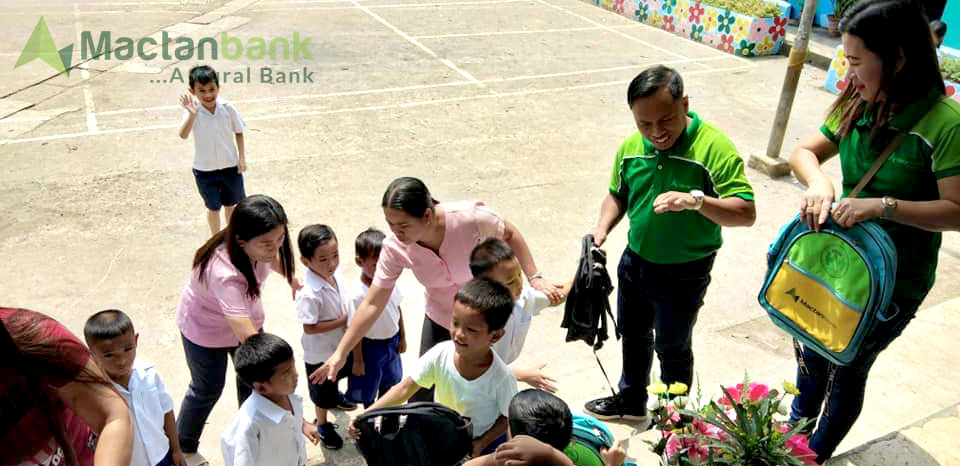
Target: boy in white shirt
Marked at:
493, 258
113, 344
268, 429
468, 375
320, 309
218, 164
376, 359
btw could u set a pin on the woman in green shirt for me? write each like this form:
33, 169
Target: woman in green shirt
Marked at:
894, 86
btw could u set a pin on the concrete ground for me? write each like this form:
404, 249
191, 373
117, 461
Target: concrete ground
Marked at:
519, 103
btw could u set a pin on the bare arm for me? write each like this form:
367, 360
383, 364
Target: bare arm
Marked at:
398, 394
170, 428
367, 313
242, 161
515, 240
242, 327
611, 211
499, 428
730, 211
188, 103
102, 408
325, 326
939, 215
805, 162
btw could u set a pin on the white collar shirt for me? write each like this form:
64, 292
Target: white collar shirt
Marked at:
320, 301
149, 403
214, 135
264, 434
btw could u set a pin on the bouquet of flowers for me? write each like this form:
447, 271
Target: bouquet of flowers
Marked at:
745, 426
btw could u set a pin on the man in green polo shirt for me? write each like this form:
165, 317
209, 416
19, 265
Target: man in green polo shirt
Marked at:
678, 180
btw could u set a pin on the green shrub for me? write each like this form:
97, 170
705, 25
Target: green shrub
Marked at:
757, 8
950, 67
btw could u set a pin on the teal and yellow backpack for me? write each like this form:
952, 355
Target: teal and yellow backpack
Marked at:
829, 289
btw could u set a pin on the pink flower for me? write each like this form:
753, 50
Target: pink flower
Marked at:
801, 450
696, 452
758, 30
757, 391
672, 414
706, 429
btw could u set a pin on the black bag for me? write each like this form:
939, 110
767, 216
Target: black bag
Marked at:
588, 304
414, 434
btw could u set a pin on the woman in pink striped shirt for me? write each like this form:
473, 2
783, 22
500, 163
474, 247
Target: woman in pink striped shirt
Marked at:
220, 305
434, 240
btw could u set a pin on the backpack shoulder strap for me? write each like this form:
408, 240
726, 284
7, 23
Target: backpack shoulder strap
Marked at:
876, 165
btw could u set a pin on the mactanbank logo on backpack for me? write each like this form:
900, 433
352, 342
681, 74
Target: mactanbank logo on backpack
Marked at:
41, 46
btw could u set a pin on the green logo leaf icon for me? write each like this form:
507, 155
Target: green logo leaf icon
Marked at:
40, 45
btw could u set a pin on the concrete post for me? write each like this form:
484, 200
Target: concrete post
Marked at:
770, 161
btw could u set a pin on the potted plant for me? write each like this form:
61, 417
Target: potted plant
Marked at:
744, 426
840, 8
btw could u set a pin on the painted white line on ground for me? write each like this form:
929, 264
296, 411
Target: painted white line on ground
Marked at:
610, 29
419, 44
531, 31
364, 108
102, 12
395, 5
20, 119
88, 105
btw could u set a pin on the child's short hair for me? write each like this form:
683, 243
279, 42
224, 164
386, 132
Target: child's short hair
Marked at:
368, 243
488, 297
312, 237
542, 416
105, 325
257, 358
203, 74
486, 255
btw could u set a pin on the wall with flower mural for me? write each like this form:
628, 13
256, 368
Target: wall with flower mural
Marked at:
719, 28
837, 73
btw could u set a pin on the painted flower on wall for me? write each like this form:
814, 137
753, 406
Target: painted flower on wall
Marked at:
724, 20
840, 63
620, 5
696, 32
642, 12
765, 46
696, 12
683, 27
667, 6
777, 29
668, 24
726, 43
655, 19
741, 27
710, 19
711, 38
758, 30
745, 48
680, 12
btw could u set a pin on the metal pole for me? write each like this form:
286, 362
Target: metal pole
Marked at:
798, 55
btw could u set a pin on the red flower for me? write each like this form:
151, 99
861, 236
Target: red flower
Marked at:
726, 44
696, 11
777, 28
618, 6
668, 24
800, 449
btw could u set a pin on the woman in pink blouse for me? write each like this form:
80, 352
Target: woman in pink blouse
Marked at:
220, 305
434, 240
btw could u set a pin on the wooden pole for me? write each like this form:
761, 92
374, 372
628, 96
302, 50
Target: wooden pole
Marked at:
770, 162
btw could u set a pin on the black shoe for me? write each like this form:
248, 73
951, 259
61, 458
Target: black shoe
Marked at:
612, 408
329, 436
344, 404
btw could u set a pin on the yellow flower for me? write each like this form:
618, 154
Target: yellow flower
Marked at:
655, 19
677, 388
657, 388
764, 47
710, 21
682, 7
741, 29
790, 388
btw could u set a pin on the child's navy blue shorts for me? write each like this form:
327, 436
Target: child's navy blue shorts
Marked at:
220, 188
382, 370
326, 395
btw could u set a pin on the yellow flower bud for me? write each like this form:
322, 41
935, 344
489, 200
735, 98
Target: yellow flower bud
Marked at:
657, 388
678, 388
790, 388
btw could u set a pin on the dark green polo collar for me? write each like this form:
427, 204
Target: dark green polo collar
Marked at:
682, 146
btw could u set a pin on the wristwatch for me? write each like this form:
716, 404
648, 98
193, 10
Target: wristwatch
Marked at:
889, 206
698, 197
